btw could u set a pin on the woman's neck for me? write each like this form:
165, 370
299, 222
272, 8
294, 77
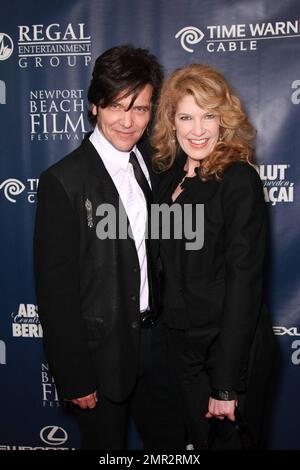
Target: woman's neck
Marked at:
190, 166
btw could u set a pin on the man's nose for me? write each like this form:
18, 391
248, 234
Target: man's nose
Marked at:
126, 119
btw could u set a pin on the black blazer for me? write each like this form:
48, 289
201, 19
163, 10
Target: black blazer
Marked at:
87, 288
219, 287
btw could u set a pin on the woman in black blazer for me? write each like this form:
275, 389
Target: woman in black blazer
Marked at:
219, 330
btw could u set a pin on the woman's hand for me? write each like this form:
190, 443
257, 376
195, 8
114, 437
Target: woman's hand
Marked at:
89, 401
221, 409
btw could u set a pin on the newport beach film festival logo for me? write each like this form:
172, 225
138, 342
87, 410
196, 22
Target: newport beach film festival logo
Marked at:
236, 37
49, 392
57, 115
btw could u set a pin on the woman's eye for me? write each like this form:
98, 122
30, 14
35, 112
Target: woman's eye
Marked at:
185, 118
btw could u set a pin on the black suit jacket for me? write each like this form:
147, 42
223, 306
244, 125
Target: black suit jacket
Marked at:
219, 288
87, 289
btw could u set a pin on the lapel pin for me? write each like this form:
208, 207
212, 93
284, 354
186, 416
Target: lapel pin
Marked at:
89, 212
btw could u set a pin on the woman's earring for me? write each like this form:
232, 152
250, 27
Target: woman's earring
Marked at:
174, 136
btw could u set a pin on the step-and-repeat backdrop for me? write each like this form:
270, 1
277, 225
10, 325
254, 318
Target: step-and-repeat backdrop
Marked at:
47, 51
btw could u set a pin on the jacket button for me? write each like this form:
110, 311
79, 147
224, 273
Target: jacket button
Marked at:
135, 270
134, 324
133, 298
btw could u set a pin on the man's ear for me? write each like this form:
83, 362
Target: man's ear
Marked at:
94, 110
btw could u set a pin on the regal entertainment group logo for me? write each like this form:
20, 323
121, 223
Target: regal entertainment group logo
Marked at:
26, 322
6, 46
57, 115
53, 45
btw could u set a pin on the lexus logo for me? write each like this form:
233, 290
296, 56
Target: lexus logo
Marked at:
53, 435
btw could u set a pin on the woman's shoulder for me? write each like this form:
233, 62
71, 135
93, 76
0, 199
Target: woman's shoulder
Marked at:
243, 173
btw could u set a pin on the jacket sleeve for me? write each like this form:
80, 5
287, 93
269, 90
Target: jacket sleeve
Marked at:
56, 260
245, 233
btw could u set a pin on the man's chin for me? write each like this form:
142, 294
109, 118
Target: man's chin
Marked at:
125, 146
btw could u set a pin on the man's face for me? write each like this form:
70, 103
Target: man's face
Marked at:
121, 126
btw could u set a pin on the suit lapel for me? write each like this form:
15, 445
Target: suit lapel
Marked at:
103, 183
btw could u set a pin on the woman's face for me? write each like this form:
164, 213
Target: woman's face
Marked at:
197, 130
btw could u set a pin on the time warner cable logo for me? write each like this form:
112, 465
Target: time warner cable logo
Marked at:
237, 37
13, 187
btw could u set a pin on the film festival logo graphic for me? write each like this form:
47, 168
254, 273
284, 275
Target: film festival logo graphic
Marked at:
6, 46
277, 187
53, 45
49, 393
26, 322
57, 115
236, 37
13, 187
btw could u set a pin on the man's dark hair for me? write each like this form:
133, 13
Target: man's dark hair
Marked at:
123, 69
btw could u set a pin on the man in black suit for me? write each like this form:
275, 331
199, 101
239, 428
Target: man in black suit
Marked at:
97, 290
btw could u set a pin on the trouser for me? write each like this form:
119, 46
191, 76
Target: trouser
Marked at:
189, 350
153, 404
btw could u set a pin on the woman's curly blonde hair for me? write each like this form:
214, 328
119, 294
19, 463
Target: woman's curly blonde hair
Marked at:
212, 93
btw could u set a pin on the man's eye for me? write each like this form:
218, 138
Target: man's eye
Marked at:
115, 106
141, 109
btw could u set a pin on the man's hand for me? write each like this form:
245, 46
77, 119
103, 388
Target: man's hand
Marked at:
88, 401
221, 409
